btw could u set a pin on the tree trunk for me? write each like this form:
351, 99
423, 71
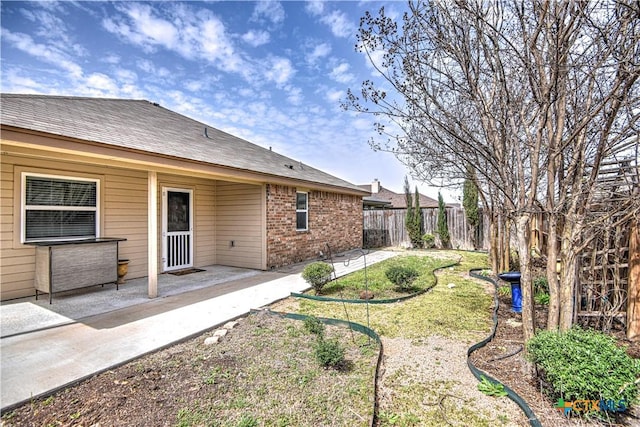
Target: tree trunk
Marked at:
526, 281
494, 245
553, 316
505, 237
633, 302
569, 259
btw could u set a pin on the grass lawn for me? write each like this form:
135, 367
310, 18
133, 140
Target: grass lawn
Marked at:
461, 312
375, 280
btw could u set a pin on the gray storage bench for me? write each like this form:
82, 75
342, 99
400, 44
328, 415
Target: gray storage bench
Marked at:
73, 264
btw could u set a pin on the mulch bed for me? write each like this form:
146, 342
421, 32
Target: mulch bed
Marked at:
503, 359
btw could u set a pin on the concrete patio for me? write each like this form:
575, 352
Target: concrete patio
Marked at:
45, 347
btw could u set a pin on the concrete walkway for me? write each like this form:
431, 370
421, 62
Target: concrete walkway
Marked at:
42, 352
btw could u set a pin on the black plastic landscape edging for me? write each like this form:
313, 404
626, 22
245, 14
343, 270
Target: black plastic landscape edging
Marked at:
377, 301
533, 420
353, 326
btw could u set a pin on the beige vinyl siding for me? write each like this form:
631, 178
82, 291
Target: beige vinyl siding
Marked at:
123, 213
204, 223
16, 265
240, 219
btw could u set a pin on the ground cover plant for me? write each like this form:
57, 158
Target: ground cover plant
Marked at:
585, 365
350, 286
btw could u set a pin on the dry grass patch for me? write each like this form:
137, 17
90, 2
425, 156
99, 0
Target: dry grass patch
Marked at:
263, 373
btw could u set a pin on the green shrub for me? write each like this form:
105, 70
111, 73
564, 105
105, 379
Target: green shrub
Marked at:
317, 274
540, 285
402, 277
329, 353
314, 326
429, 241
541, 298
584, 365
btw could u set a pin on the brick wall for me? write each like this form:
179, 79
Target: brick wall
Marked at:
334, 218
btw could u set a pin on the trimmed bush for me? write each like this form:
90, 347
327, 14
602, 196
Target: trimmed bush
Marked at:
402, 277
329, 353
585, 365
317, 274
313, 325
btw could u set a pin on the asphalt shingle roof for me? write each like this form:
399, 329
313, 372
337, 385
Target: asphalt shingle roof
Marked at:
148, 127
399, 201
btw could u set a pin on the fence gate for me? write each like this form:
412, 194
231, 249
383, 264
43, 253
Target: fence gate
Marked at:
177, 228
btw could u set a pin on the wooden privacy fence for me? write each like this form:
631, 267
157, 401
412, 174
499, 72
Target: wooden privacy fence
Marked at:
385, 227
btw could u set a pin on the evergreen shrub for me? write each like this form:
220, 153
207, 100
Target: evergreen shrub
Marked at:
317, 274
329, 353
585, 365
401, 276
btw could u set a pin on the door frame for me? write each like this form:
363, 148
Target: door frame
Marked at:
165, 233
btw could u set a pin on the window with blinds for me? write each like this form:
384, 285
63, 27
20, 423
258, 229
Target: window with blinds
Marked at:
59, 208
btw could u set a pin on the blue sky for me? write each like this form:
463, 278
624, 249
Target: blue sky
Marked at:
273, 73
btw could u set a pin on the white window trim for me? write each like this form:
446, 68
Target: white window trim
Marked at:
24, 207
306, 211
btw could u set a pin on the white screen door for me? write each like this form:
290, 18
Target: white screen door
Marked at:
177, 228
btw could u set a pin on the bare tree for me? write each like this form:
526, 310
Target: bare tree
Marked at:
533, 95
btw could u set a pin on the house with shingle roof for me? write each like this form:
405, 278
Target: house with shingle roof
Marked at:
182, 194
383, 198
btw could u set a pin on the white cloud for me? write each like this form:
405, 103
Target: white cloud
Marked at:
341, 73
147, 29
150, 68
126, 76
339, 24
278, 70
45, 53
111, 59
319, 51
194, 85
214, 43
334, 96
102, 83
256, 38
337, 21
52, 28
271, 10
315, 7
192, 34
294, 95
246, 92
14, 81
375, 61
